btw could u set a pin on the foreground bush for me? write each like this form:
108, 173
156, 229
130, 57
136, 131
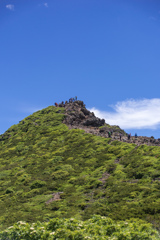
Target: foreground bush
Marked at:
96, 228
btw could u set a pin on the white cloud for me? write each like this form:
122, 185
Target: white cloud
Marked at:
133, 114
46, 5
10, 7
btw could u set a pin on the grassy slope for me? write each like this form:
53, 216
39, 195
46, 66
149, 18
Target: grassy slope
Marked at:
40, 156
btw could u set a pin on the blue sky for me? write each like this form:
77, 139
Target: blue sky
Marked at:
107, 52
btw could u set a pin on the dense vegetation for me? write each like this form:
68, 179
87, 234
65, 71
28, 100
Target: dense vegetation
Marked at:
96, 228
40, 158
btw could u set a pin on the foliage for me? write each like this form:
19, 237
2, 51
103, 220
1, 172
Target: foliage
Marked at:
96, 228
49, 171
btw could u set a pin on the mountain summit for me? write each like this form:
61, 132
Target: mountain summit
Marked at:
76, 116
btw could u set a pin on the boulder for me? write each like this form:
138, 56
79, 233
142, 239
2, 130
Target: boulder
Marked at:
94, 122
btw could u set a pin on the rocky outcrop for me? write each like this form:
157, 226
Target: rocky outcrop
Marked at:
56, 197
78, 117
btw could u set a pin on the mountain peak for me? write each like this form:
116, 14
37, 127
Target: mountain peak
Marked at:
78, 115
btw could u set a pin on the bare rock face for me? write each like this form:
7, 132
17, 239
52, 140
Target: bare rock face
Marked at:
77, 114
78, 117
94, 122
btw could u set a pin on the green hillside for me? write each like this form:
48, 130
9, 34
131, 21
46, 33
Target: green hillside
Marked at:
48, 171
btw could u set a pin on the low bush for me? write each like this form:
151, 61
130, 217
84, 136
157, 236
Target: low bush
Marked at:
96, 228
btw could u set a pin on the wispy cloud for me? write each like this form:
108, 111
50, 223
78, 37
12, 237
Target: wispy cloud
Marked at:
43, 5
152, 18
133, 114
29, 110
46, 5
10, 7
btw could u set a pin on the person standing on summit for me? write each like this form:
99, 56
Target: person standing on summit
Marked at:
120, 136
129, 136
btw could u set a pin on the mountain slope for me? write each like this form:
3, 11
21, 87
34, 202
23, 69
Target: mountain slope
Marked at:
48, 170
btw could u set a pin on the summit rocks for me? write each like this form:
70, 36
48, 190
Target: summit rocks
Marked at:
77, 114
78, 117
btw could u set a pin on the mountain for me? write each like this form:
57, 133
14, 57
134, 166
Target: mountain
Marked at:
60, 162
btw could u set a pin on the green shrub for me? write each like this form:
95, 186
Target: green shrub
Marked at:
9, 190
96, 228
37, 184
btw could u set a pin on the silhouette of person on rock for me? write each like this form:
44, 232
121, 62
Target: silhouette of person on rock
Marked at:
120, 136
